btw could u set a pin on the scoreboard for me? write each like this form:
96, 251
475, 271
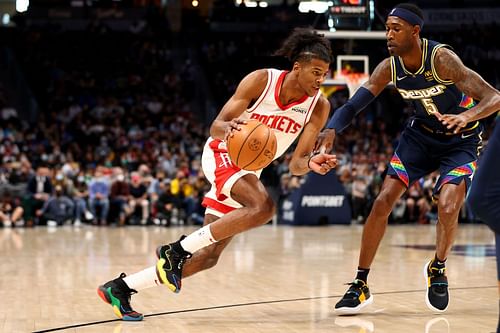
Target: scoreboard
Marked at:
349, 8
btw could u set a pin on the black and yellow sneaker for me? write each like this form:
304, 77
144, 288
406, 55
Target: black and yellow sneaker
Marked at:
171, 258
117, 293
355, 299
436, 296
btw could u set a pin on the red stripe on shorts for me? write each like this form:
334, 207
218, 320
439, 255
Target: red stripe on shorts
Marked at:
220, 207
224, 168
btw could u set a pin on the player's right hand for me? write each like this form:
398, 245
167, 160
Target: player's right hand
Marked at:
233, 125
452, 121
324, 142
322, 163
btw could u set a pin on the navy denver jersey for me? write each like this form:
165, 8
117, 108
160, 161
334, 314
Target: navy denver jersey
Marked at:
427, 91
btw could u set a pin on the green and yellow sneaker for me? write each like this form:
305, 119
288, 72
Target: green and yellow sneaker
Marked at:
171, 258
118, 294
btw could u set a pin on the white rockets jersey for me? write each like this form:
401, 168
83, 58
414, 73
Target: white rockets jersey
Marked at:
287, 121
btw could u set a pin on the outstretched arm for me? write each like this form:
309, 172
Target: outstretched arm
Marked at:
343, 116
302, 161
248, 91
450, 67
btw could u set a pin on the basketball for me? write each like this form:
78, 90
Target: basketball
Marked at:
253, 147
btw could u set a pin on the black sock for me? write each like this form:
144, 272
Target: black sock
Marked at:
438, 263
362, 274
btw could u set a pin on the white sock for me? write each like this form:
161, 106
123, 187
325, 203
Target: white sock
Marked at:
142, 280
198, 240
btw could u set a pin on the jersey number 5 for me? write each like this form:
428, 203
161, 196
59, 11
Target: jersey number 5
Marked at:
429, 105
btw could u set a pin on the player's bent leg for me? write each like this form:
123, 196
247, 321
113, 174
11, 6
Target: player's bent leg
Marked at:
376, 223
207, 257
451, 198
358, 295
117, 294
258, 208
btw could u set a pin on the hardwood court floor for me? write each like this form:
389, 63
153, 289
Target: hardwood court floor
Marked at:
271, 279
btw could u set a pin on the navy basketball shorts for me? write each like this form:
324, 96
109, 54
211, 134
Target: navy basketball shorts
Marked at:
484, 196
420, 152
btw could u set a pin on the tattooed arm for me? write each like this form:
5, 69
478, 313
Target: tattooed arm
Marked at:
449, 67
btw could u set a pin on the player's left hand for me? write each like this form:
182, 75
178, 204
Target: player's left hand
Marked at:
325, 141
322, 163
452, 121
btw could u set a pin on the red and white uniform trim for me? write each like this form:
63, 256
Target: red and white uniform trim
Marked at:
287, 122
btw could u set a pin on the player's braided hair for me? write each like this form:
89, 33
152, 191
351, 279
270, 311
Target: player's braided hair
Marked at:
305, 44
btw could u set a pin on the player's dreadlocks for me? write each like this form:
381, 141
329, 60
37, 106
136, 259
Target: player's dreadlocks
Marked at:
305, 44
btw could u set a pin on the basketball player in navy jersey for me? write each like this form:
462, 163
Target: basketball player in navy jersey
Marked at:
432, 77
291, 104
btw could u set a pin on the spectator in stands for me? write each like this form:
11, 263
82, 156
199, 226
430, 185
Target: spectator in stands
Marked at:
16, 176
58, 209
154, 191
359, 196
10, 210
120, 193
66, 183
138, 196
99, 196
165, 203
39, 189
80, 196
416, 203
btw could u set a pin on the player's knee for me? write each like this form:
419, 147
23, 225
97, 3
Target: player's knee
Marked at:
264, 210
382, 205
270, 207
448, 209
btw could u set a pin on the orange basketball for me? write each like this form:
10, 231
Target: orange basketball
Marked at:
253, 147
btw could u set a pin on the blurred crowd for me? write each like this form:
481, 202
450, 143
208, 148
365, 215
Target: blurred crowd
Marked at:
118, 139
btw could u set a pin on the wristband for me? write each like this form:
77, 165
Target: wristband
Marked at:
308, 161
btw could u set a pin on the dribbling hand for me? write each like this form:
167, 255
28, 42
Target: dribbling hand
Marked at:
233, 125
322, 163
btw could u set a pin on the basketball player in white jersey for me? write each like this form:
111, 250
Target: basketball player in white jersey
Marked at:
291, 104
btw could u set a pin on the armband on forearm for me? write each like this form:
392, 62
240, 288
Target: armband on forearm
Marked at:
343, 116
